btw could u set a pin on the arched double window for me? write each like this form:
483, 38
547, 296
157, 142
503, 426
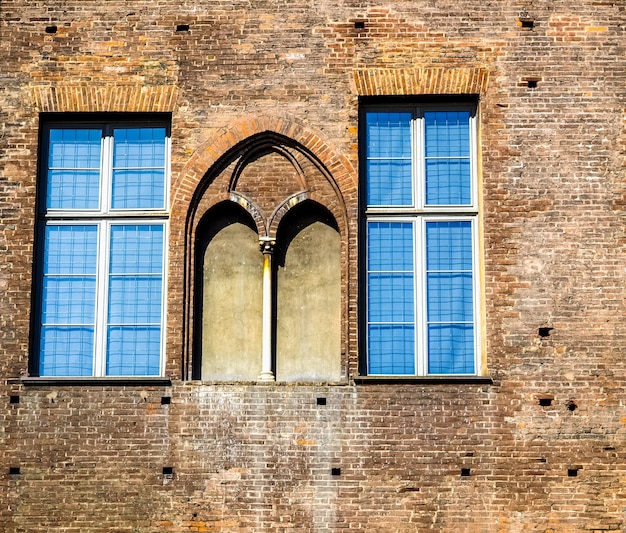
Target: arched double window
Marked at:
267, 274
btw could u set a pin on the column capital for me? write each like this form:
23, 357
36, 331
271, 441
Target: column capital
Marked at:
267, 244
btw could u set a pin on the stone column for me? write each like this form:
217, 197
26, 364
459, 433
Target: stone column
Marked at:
267, 248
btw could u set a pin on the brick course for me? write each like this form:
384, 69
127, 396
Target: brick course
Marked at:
543, 444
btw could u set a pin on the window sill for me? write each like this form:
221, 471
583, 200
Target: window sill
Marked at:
104, 381
423, 380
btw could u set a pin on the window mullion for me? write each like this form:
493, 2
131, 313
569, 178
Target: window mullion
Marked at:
103, 257
417, 144
421, 340
101, 299
107, 171
421, 355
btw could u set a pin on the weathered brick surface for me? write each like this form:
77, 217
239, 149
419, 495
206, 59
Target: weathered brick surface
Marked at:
248, 457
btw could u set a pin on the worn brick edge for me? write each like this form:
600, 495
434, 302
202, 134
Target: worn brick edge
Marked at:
421, 80
83, 98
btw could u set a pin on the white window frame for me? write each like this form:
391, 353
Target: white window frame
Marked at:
104, 218
418, 214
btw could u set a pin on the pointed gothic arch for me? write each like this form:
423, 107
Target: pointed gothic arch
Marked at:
255, 158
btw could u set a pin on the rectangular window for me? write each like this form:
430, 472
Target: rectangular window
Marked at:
420, 228
103, 226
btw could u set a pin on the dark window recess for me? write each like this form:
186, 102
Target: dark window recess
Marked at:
181, 28
335, 471
572, 472
166, 400
532, 84
51, 29
168, 470
409, 489
544, 332
572, 406
14, 470
465, 472
14, 399
359, 25
321, 401
527, 23
545, 402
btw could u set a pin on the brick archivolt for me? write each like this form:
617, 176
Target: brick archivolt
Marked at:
338, 168
106, 98
420, 80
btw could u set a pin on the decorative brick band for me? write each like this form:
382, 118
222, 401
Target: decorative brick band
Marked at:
421, 80
106, 98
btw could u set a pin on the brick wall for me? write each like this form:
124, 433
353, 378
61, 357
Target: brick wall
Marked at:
540, 448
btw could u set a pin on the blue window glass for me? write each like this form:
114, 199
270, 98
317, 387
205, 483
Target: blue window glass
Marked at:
449, 245
134, 314
447, 158
66, 351
133, 351
451, 349
447, 133
73, 172
389, 180
391, 298
391, 349
449, 297
68, 300
139, 168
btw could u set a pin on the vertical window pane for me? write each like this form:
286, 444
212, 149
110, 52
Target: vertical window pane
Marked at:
68, 300
138, 168
447, 154
391, 298
73, 172
135, 296
388, 148
450, 297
